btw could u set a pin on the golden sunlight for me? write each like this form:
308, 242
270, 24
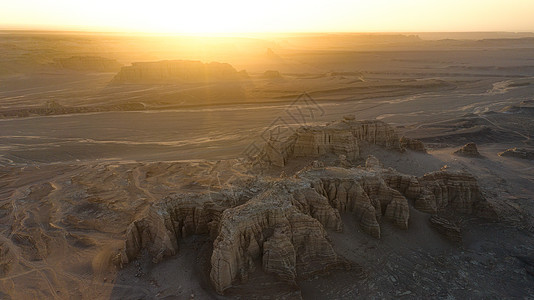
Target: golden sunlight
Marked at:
235, 16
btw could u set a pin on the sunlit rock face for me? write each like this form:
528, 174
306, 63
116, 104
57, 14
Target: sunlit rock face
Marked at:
519, 153
346, 137
175, 71
289, 242
468, 150
283, 224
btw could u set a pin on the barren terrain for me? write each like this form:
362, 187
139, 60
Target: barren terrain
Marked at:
83, 156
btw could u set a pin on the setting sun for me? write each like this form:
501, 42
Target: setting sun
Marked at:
237, 16
241, 149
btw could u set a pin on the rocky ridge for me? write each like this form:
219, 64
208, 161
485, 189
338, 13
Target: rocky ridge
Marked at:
281, 223
468, 150
52, 107
175, 71
344, 137
519, 153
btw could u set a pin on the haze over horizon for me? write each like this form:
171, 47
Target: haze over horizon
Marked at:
238, 16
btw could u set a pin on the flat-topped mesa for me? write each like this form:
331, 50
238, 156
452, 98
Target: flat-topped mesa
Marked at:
346, 137
176, 71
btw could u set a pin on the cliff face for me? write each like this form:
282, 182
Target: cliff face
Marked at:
365, 194
175, 71
344, 137
162, 225
269, 227
283, 224
456, 191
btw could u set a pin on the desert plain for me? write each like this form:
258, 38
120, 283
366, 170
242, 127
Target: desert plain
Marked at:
180, 167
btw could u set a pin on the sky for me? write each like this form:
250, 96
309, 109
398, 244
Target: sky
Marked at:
236, 16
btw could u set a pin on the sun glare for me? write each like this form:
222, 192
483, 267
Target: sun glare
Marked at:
239, 16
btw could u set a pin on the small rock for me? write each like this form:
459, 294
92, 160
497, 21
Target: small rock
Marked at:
468, 150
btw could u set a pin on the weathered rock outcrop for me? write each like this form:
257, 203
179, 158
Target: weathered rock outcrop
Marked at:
161, 225
412, 144
468, 150
340, 138
51, 107
290, 243
519, 153
271, 74
279, 256
153, 232
456, 191
175, 71
281, 223
363, 193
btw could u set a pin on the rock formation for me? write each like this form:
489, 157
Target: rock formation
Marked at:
468, 150
271, 74
519, 153
177, 217
289, 242
281, 223
51, 107
175, 71
344, 137
412, 144
364, 193
456, 191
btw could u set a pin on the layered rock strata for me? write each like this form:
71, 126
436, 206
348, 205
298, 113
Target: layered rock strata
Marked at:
175, 71
281, 222
345, 137
160, 227
289, 242
453, 191
283, 225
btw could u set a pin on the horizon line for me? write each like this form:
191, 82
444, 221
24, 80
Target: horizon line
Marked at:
133, 32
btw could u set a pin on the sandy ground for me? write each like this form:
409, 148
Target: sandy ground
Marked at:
70, 184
